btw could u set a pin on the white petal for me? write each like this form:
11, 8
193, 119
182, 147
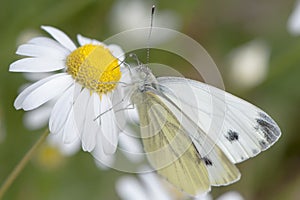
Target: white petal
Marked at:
46, 91
77, 91
60, 111
90, 128
37, 65
37, 76
70, 133
117, 52
66, 149
102, 160
41, 51
101, 166
48, 42
61, 37
131, 147
97, 108
132, 115
80, 108
84, 40
19, 100
108, 125
117, 99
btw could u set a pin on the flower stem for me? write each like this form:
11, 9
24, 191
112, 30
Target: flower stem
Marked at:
17, 170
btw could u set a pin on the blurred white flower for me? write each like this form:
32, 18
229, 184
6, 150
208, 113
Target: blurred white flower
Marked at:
51, 155
231, 195
293, 24
131, 14
249, 64
149, 186
26, 35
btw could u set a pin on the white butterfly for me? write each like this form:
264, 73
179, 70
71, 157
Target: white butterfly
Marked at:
194, 133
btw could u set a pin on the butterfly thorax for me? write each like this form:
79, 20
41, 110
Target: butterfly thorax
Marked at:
143, 81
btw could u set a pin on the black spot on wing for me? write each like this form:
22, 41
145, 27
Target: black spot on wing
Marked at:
207, 161
255, 151
232, 136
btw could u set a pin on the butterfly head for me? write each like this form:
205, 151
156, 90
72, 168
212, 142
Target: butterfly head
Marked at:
143, 78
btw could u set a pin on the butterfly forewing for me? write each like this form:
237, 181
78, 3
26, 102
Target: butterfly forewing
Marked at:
239, 128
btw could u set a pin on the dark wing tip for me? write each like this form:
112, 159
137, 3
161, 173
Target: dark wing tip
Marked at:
269, 128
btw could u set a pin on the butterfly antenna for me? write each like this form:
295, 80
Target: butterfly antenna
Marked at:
148, 40
134, 56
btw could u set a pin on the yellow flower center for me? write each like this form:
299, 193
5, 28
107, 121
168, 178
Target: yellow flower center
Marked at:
94, 67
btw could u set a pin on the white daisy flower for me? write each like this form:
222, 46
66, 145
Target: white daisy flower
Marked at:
84, 88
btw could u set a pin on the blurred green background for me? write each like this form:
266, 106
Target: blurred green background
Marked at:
220, 26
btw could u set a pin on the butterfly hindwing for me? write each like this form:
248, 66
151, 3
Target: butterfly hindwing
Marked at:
169, 149
220, 169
